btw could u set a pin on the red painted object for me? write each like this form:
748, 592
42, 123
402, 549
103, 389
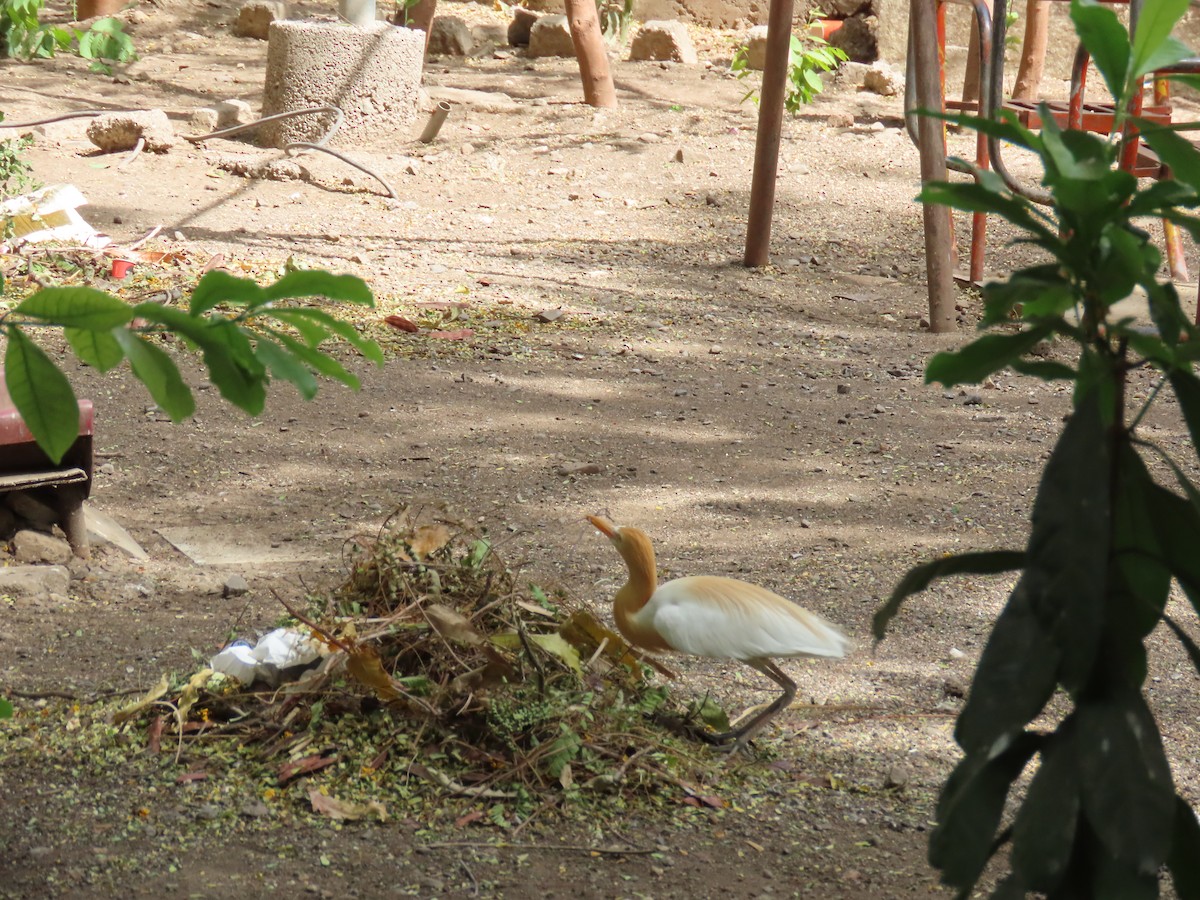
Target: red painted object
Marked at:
24, 466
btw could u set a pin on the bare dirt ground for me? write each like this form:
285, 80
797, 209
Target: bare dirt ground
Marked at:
769, 424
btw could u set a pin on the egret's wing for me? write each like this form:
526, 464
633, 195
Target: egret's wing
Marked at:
723, 617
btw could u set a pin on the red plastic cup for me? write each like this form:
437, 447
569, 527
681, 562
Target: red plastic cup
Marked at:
121, 267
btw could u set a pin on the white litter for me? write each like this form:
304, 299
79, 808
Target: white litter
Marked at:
49, 214
283, 648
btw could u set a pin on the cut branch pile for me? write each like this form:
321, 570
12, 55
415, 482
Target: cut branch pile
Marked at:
440, 673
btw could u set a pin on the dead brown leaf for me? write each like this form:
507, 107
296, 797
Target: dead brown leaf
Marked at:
460, 335
453, 625
345, 810
429, 539
304, 766
402, 323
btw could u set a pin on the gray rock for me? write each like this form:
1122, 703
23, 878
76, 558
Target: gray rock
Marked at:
450, 36
37, 547
897, 776
24, 582
663, 40
202, 121
36, 513
235, 586
116, 132
522, 23
255, 18
882, 79
234, 112
490, 33
551, 36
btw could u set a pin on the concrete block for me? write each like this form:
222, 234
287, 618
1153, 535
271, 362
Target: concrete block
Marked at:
373, 74
551, 36
663, 40
255, 17
33, 581
37, 547
103, 529
755, 43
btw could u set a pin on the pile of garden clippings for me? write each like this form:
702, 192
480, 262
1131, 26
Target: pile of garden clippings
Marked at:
438, 673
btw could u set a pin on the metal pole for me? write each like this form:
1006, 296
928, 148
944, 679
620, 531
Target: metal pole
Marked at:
939, 249
770, 123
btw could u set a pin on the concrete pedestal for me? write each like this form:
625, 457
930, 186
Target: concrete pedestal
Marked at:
373, 74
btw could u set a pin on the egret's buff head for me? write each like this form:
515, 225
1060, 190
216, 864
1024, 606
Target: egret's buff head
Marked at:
632, 544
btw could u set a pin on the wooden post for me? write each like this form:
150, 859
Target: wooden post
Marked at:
419, 17
1033, 50
939, 259
584, 22
770, 124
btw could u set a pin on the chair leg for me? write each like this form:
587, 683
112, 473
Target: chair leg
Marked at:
1176, 262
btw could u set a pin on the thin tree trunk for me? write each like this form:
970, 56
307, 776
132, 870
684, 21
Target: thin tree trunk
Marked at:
584, 22
419, 16
1033, 50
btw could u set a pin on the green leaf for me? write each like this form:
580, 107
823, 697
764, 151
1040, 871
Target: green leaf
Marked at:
318, 361
98, 349
1184, 859
158, 372
979, 359
218, 287
1175, 151
1106, 40
1127, 792
76, 307
234, 369
1153, 46
1046, 371
1176, 522
318, 283
6, 709
1136, 552
1015, 677
1040, 292
1067, 559
918, 578
42, 395
970, 805
367, 348
286, 366
1044, 830
1187, 391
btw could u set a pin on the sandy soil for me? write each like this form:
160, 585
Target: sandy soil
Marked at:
770, 424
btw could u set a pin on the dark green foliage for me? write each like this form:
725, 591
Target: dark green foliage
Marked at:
1101, 817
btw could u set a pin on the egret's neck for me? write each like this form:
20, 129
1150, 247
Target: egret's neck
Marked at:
638, 554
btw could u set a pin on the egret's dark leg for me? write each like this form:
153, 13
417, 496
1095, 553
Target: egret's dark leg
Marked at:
741, 736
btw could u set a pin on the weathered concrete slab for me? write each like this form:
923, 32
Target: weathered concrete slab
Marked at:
226, 545
103, 529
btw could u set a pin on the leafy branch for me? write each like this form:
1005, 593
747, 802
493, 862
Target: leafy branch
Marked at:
244, 339
1101, 815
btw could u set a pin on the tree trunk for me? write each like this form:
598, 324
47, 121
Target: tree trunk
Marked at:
584, 22
1033, 50
419, 16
